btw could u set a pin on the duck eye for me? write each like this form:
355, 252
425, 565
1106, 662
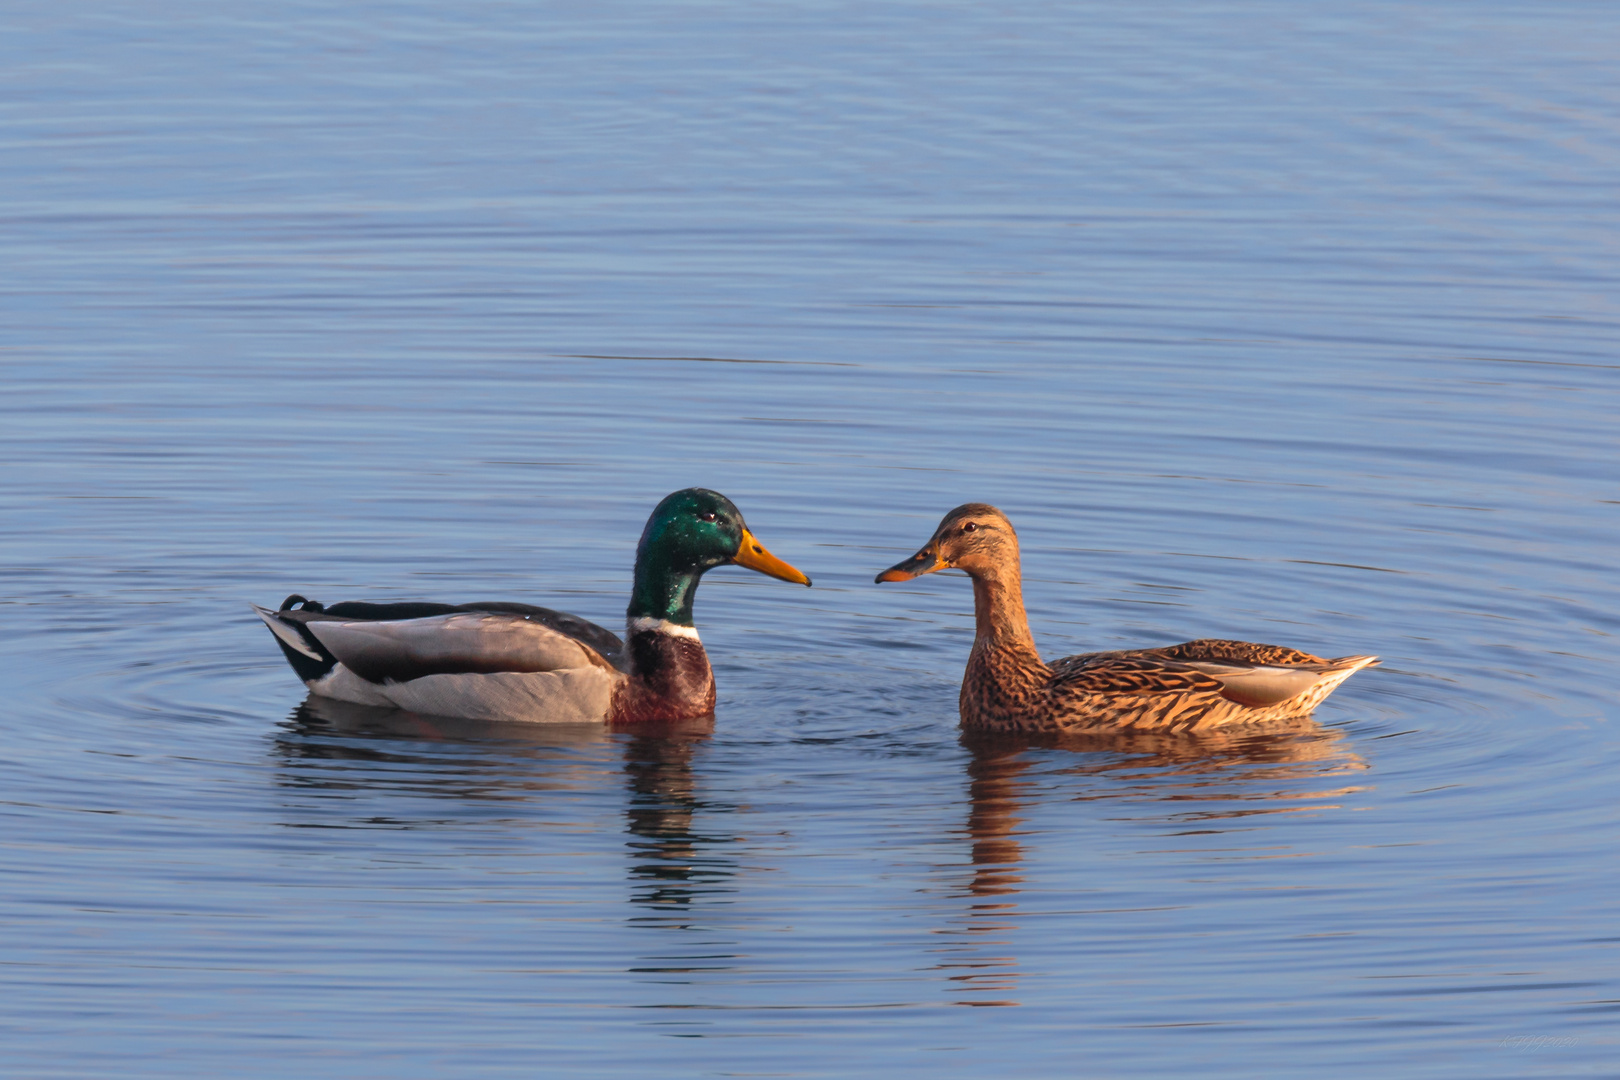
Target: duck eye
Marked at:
710, 516
969, 527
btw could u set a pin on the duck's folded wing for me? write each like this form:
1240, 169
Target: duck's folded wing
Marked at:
588, 633
1260, 685
1262, 675
1221, 650
1115, 674
463, 643
1242, 672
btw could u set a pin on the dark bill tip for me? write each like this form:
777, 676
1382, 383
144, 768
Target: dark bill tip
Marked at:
924, 562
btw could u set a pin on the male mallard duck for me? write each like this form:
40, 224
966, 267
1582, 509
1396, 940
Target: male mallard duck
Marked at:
506, 661
1193, 686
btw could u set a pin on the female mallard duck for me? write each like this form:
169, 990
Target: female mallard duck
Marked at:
506, 661
1194, 686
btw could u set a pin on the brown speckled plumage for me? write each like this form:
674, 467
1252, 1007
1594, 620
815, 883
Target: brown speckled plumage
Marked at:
1194, 686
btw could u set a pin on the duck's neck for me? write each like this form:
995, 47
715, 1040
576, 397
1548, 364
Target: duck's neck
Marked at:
662, 593
670, 677
1000, 623
1005, 671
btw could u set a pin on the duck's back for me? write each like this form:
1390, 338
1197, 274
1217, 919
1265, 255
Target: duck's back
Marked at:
598, 638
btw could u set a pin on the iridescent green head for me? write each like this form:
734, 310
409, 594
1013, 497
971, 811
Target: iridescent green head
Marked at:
692, 531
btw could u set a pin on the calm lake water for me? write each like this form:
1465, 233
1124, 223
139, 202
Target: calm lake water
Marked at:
1294, 323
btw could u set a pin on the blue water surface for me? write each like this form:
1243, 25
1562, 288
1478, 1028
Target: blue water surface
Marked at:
1292, 323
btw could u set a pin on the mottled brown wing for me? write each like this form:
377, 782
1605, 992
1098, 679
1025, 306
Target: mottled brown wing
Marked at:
1114, 674
1238, 652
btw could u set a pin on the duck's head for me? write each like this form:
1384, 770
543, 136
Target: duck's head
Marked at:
975, 537
690, 532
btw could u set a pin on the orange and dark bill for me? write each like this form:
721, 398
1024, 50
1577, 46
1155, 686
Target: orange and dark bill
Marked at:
925, 561
753, 555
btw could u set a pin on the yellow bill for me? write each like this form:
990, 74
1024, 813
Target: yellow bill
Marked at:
753, 555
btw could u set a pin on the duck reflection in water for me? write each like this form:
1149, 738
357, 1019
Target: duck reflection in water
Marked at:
337, 745
1225, 772
672, 863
